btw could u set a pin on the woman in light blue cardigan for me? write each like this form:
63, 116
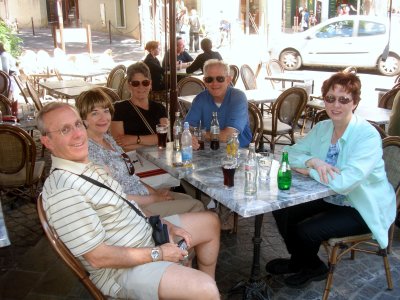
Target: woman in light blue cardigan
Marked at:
344, 153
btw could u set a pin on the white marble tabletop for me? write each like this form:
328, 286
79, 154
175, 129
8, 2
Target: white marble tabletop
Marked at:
206, 175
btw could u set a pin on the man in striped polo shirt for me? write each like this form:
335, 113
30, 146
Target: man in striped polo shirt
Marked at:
112, 241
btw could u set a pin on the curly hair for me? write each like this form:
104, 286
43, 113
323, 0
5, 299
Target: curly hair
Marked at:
349, 81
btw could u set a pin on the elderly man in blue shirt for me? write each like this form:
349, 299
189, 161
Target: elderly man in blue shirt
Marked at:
229, 103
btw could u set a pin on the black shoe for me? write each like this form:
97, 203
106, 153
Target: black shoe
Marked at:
281, 266
306, 276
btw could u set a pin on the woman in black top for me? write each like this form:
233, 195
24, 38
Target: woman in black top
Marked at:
127, 127
151, 60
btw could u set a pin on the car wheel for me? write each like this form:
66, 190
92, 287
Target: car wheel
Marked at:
290, 59
389, 67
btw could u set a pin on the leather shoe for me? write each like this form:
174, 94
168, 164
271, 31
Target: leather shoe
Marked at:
306, 276
281, 266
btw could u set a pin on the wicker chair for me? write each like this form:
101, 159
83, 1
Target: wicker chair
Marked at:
5, 84
117, 74
386, 101
5, 105
338, 247
34, 96
123, 91
66, 254
274, 66
234, 72
18, 166
188, 86
256, 123
248, 77
286, 111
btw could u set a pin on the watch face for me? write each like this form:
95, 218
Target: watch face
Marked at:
155, 254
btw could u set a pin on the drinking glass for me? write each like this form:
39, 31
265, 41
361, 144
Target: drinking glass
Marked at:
200, 135
31, 111
264, 165
229, 165
162, 131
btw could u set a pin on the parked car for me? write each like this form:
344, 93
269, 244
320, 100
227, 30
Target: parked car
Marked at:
353, 40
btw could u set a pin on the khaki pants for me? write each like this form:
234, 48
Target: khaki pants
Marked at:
182, 204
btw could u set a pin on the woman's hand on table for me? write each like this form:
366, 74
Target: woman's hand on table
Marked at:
125, 140
324, 169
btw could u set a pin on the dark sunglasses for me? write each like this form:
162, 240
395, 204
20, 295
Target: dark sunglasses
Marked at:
136, 83
210, 79
129, 163
341, 99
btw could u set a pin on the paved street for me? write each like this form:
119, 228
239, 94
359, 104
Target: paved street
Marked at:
29, 269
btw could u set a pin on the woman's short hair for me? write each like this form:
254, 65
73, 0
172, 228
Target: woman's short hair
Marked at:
88, 100
151, 45
138, 68
206, 45
216, 62
349, 81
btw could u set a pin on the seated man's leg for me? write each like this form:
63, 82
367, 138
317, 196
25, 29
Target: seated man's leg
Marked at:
204, 228
183, 283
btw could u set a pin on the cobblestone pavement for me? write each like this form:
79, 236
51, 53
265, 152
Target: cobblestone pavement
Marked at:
29, 269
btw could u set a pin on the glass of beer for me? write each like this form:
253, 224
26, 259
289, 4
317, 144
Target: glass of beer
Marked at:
162, 130
229, 165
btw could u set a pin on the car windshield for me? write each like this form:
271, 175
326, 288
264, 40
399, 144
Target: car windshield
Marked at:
336, 29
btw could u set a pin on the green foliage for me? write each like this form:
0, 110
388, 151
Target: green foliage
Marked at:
11, 42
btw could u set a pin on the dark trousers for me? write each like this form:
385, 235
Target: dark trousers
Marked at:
305, 226
194, 39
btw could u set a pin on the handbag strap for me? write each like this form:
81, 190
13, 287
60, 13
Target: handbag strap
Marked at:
142, 117
99, 184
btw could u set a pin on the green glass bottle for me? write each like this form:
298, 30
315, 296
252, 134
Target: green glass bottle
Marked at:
284, 173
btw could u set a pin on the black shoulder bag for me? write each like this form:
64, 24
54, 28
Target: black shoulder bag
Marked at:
160, 231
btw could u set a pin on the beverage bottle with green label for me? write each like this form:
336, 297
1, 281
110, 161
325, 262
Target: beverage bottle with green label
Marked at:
284, 173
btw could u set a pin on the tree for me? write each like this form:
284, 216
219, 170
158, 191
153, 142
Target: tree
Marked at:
11, 42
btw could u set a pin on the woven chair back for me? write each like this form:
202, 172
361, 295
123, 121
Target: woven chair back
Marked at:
123, 91
387, 99
256, 123
115, 77
190, 86
5, 83
289, 105
248, 77
5, 105
234, 72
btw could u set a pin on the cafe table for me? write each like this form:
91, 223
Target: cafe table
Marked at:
380, 116
292, 77
85, 75
206, 176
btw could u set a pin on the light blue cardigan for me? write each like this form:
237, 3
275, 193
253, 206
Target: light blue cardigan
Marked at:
362, 179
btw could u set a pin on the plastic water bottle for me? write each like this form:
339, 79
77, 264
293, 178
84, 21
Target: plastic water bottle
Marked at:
186, 146
250, 171
177, 131
284, 173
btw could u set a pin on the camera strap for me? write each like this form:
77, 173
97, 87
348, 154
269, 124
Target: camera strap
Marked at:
99, 184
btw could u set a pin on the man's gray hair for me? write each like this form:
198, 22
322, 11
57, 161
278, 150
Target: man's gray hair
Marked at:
47, 109
216, 62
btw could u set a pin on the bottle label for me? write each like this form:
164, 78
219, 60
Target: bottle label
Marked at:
186, 154
214, 130
284, 167
177, 130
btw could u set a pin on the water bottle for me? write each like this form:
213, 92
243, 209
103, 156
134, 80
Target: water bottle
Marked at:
250, 171
214, 132
186, 146
284, 173
177, 131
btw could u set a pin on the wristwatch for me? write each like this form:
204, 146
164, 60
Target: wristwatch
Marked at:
138, 140
156, 254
